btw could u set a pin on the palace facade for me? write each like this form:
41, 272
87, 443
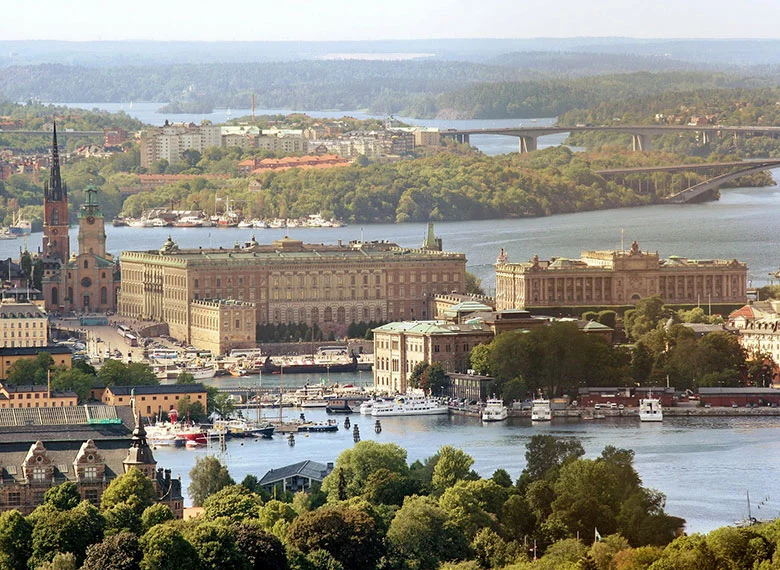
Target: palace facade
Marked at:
86, 281
615, 278
285, 282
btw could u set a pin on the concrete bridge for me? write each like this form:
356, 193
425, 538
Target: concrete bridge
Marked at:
747, 167
640, 134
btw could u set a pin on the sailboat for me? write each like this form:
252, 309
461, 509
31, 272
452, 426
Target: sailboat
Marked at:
750, 520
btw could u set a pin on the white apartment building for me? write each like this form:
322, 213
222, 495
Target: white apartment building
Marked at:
170, 141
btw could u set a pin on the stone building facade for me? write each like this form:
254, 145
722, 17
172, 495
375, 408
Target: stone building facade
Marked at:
290, 282
400, 346
220, 325
615, 278
23, 324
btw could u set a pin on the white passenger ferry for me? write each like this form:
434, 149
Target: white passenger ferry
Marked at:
408, 405
541, 411
495, 410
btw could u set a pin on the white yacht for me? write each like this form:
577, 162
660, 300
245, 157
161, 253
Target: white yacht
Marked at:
650, 410
541, 411
495, 410
408, 405
367, 406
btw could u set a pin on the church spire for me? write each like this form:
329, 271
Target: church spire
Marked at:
55, 189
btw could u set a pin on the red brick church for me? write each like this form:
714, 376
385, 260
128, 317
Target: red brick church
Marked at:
87, 281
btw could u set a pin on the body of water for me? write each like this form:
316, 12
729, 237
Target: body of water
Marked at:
741, 225
704, 466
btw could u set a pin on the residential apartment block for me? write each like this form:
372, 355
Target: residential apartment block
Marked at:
170, 141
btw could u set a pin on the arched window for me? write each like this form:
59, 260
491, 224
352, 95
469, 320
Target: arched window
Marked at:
328, 315
290, 318
315, 315
86, 264
70, 294
55, 217
103, 296
301, 315
340, 315
55, 296
378, 313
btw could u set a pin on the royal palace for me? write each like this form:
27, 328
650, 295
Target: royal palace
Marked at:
618, 278
228, 291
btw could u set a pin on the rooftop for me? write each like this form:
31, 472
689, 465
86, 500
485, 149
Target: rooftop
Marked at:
308, 468
431, 328
157, 389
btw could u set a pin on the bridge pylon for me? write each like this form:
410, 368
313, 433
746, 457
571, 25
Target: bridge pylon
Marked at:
527, 144
640, 142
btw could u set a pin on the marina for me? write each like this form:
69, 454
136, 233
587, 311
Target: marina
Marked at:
689, 459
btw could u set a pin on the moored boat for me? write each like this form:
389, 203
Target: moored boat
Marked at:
541, 411
409, 405
650, 410
20, 226
310, 365
495, 410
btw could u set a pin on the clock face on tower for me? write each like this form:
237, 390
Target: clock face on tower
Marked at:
90, 220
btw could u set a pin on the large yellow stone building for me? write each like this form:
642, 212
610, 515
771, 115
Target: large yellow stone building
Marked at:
23, 324
615, 278
289, 282
400, 346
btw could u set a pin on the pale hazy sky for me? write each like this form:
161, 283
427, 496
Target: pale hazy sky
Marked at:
259, 20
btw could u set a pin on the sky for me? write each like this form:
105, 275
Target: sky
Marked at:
284, 20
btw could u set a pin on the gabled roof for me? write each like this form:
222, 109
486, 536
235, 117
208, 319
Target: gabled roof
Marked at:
746, 312
310, 469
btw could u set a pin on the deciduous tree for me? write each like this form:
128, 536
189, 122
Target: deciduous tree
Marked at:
206, 478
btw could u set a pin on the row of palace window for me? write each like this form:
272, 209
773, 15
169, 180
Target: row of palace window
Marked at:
25, 335
23, 343
26, 324
341, 315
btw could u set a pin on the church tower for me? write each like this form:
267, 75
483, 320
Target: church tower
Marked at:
140, 454
56, 243
92, 227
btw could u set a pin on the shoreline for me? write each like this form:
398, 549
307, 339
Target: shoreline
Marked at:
633, 413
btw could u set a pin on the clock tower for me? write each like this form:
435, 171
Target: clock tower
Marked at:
56, 243
92, 228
